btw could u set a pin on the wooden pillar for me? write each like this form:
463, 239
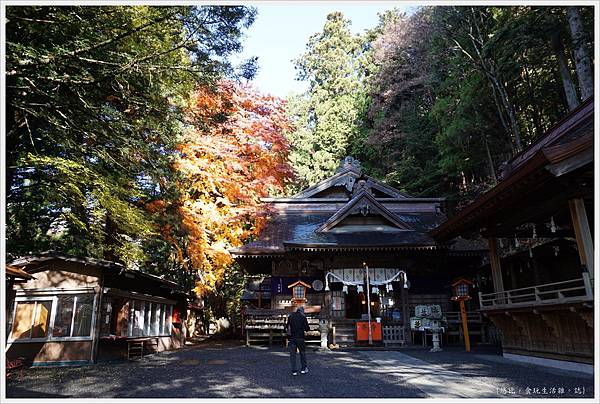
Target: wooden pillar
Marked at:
538, 276
495, 265
513, 276
405, 310
326, 306
10, 299
465, 326
585, 246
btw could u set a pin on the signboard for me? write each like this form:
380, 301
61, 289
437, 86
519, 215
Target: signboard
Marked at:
421, 324
429, 310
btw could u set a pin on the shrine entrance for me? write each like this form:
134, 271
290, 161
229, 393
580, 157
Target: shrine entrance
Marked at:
351, 305
350, 287
354, 306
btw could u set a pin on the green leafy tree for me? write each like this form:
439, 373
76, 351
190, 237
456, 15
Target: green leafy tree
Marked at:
456, 91
94, 108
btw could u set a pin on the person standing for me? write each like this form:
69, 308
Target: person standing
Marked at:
296, 326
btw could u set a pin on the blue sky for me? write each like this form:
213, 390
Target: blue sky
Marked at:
281, 31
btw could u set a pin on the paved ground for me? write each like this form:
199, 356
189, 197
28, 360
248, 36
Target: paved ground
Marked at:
230, 370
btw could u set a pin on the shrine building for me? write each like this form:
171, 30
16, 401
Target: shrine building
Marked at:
317, 245
538, 220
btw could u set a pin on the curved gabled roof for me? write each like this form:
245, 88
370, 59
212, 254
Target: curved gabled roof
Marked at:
347, 210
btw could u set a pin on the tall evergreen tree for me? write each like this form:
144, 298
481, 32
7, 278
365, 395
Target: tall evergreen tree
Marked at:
326, 116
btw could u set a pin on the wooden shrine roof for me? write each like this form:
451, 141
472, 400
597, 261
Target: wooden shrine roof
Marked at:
309, 221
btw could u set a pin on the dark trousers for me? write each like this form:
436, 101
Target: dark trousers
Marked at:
300, 345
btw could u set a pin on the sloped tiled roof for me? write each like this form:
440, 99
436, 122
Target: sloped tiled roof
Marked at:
304, 221
296, 229
372, 202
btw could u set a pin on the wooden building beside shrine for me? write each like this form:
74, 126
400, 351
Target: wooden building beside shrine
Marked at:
316, 246
540, 271
70, 310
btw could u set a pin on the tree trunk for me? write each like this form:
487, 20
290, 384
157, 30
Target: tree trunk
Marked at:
537, 120
490, 160
494, 75
565, 74
583, 63
110, 230
488, 66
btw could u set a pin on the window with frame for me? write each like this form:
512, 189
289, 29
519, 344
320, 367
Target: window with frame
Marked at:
63, 319
82, 318
163, 313
32, 319
73, 316
156, 308
138, 318
149, 319
169, 318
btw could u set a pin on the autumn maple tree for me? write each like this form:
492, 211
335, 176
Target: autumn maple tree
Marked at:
235, 154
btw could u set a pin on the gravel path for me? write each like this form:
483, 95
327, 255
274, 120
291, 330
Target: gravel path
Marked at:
230, 370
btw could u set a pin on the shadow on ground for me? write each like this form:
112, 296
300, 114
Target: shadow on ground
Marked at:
225, 369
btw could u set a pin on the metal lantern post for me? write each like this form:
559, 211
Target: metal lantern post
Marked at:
460, 291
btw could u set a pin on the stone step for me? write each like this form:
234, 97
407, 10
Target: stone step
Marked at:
346, 334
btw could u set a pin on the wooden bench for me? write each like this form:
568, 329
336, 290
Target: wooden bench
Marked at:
261, 325
137, 347
268, 325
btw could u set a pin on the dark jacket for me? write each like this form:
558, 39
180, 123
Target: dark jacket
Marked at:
297, 325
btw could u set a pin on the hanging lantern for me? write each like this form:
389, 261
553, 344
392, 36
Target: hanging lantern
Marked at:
375, 289
359, 288
389, 287
345, 289
552, 225
517, 244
